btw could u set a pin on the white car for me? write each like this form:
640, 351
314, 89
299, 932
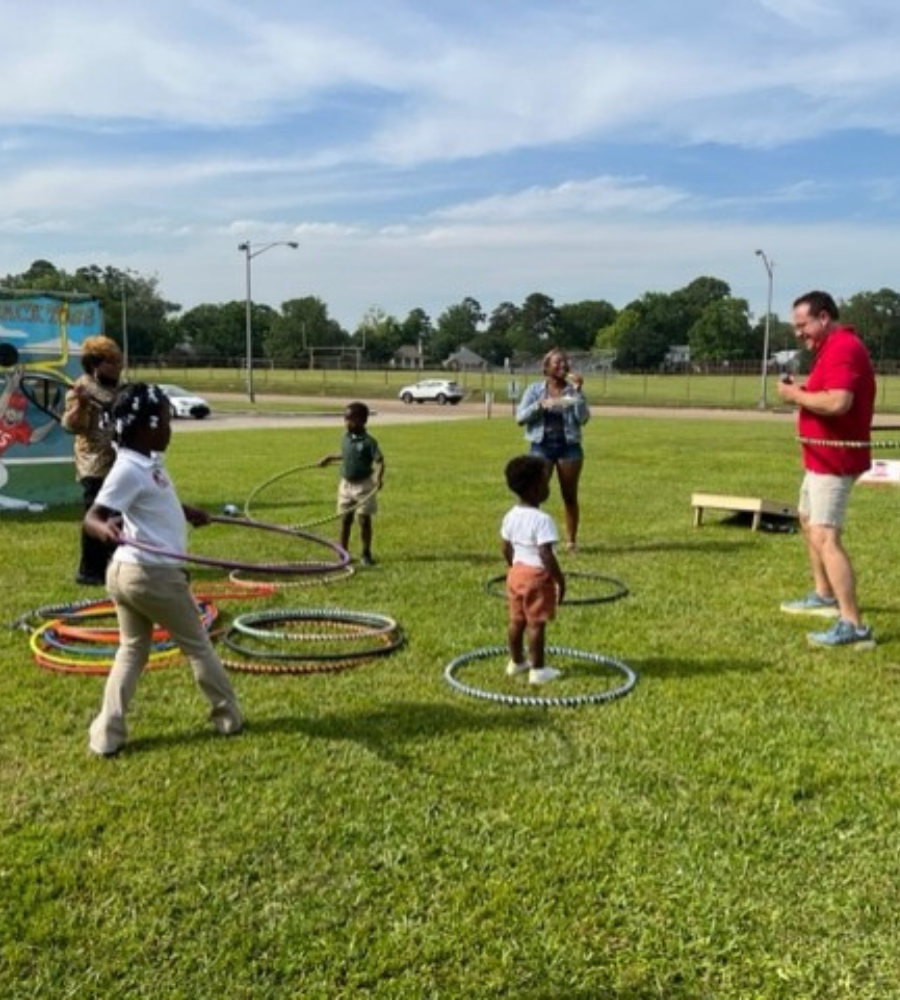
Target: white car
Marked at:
186, 404
436, 390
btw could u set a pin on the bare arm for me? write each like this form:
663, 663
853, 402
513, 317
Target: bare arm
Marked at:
507, 549
551, 564
77, 415
827, 403
103, 524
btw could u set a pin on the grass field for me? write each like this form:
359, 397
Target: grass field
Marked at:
727, 830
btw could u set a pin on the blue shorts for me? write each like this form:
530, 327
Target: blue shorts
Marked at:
558, 452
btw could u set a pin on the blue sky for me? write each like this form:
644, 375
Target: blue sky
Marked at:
422, 152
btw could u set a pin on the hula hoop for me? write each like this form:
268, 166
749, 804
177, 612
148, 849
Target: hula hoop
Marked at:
362, 625
67, 609
307, 581
316, 522
300, 667
619, 590
534, 701
94, 665
274, 568
389, 641
272, 480
828, 443
208, 614
53, 636
272, 662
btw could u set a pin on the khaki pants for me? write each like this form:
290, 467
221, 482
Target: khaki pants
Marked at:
144, 596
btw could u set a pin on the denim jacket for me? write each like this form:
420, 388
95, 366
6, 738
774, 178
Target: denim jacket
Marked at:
530, 413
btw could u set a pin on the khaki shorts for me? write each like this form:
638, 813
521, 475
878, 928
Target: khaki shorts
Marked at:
359, 495
824, 498
531, 592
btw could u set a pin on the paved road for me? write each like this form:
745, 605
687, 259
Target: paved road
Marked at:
392, 411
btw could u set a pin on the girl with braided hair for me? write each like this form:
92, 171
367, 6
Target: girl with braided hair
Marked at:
138, 501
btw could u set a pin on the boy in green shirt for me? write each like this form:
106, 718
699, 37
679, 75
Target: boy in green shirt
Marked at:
362, 476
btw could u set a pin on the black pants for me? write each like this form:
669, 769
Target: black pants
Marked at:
94, 554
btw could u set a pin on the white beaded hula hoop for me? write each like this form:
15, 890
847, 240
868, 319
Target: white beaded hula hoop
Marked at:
536, 701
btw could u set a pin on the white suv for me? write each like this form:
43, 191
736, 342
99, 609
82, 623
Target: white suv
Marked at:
436, 390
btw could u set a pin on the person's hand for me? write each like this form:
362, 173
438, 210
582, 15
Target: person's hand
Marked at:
576, 381
112, 529
196, 516
787, 391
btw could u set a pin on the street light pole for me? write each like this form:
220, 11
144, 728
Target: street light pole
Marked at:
249, 253
769, 265
124, 326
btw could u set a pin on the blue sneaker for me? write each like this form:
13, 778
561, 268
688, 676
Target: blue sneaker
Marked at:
843, 633
812, 604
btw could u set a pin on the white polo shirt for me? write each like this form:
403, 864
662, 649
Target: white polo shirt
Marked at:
527, 528
140, 488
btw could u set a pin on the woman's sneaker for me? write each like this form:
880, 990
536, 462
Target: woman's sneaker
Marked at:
812, 604
843, 633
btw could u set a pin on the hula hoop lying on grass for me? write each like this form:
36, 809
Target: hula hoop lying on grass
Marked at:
316, 522
97, 656
535, 701
67, 609
273, 568
618, 589
384, 632
355, 625
89, 664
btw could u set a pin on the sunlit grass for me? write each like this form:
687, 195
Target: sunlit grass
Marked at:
727, 830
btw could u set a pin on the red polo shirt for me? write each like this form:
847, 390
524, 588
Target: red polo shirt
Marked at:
842, 362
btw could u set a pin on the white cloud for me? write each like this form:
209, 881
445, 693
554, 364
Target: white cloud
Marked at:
438, 150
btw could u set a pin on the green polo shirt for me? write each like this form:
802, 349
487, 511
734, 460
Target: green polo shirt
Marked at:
359, 454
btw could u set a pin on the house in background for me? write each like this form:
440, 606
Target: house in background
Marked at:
465, 360
407, 356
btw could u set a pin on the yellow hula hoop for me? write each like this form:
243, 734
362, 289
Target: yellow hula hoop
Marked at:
86, 665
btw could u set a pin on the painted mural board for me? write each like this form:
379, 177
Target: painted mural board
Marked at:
40, 348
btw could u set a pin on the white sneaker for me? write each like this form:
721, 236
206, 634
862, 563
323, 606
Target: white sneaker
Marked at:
513, 669
544, 675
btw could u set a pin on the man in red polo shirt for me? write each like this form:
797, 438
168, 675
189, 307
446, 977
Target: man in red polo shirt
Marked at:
835, 404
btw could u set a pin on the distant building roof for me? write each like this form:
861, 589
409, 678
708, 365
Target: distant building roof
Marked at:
464, 358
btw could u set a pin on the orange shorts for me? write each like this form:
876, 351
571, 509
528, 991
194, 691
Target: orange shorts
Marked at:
531, 591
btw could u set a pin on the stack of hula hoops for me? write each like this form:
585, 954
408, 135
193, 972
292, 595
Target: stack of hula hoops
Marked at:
308, 640
73, 638
69, 638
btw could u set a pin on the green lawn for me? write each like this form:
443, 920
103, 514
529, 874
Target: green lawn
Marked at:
727, 830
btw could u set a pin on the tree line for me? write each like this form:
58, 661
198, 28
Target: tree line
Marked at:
702, 316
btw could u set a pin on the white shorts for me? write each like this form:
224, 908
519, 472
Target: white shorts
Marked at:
359, 496
824, 498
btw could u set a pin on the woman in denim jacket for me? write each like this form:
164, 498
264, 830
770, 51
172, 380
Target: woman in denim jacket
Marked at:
553, 412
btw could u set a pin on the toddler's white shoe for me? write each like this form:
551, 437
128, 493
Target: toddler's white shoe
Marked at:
513, 669
544, 675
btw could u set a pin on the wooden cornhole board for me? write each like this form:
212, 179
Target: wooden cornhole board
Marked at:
757, 506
